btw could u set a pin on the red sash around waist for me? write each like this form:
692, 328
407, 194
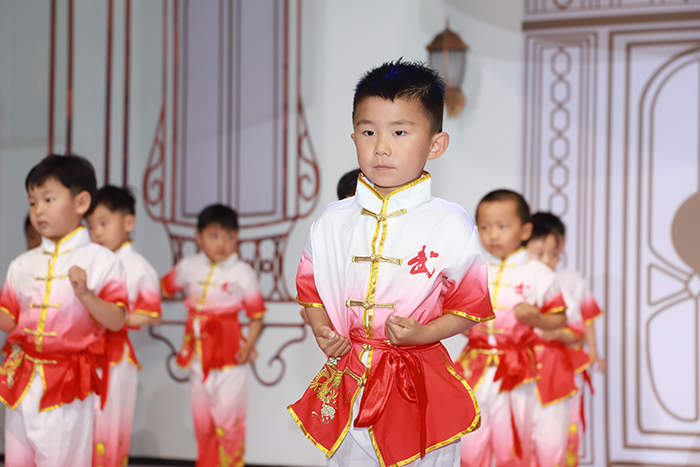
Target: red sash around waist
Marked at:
66, 376
219, 340
516, 361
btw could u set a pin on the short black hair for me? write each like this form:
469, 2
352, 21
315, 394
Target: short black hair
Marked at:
347, 184
522, 209
116, 199
405, 80
218, 214
545, 224
73, 172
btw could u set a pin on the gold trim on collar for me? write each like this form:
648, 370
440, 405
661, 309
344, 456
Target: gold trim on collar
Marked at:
425, 176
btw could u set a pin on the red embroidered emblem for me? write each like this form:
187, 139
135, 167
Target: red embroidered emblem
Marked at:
521, 288
226, 287
419, 261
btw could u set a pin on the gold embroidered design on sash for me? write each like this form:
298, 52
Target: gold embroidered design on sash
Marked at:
10, 365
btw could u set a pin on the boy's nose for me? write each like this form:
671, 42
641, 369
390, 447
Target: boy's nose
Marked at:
382, 148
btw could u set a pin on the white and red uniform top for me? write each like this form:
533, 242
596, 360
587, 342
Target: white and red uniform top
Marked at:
367, 258
216, 292
559, 363
54, 330
505, 341
144, 299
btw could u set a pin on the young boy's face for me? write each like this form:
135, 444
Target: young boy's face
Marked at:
545, 250
501, 230
110, 229
54, 211
217, 242
393, 141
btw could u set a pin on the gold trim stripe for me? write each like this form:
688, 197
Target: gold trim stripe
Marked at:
368, 305
8, 313
374, 259
469, 317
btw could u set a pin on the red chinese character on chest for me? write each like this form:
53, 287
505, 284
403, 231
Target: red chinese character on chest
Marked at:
419, 261
521, 288
226, 287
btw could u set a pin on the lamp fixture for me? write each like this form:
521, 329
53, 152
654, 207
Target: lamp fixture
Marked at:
447, 54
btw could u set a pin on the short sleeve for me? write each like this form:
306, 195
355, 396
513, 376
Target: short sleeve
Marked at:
307, 294
147, 296
172, 282
113, 288
553, 300
468, 296
590, 310
9, 300
253, 300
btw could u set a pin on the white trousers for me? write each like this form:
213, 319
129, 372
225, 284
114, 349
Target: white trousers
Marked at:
356, 450
550, 433
494, 440
113, 425
61, 437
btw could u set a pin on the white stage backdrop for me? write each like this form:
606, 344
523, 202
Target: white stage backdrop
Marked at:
612, 131
248, 103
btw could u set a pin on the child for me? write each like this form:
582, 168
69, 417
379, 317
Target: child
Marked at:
30, 234
556, 419
384, 277
219, 285
347, 184
57, 301
498, 360
111, 222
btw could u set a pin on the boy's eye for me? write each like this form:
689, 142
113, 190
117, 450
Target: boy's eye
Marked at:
368, 133
399, 132
229, 237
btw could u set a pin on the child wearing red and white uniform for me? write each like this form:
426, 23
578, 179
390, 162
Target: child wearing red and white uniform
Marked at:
219, 286
384, 277
498, 360
56, 303
110, 223
562, 360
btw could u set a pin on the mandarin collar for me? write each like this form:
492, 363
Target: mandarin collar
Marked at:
125, 250
228, 262
518, 257
73, 240
406, 197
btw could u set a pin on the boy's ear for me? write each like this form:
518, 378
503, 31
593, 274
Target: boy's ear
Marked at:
438, 146
129, 223
526, 231
198, 239
82, 202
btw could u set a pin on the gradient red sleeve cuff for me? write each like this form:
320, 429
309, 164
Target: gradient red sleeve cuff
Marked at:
255, 306
9, 303
590, 310
169, 284
148, 303
114, 291
470, 298
556, 304
307, 294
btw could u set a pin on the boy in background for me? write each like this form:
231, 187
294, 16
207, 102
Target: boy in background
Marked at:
56, 303
32, 237
219, 285
498, 360
558, 414
384, 277
111, 221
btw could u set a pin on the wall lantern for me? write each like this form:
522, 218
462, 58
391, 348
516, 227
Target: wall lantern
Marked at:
448, 55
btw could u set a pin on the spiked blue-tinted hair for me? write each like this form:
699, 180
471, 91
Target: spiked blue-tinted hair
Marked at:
405, 80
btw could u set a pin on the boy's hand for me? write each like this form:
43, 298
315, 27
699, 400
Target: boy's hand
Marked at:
78, 279
598, 362
332, 343
527, 314
245, 354
404, 331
